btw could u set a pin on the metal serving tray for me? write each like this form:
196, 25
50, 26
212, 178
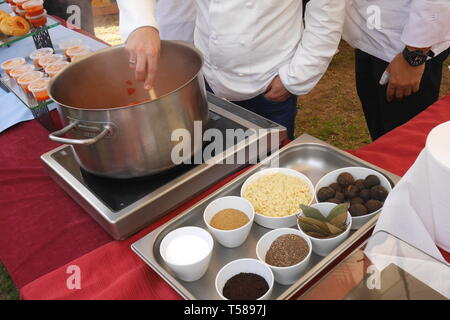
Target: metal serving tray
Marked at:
312, 157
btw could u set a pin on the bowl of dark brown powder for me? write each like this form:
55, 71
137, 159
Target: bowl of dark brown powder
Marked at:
245, 279
286, 251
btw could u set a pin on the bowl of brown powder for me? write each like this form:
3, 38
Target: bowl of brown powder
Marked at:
287, 252
229, 219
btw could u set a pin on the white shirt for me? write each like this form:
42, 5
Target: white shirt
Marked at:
176, 19
383, 28
246, 43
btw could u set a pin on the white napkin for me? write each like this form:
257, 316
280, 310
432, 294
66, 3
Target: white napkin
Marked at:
418, 209
417, 212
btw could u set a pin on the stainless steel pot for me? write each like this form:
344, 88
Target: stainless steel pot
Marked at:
114, 133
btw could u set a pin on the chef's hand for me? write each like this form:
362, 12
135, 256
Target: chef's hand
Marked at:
404, 78
143, 47
276, 91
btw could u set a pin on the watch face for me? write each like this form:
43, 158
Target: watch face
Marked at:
417, 60
414, 58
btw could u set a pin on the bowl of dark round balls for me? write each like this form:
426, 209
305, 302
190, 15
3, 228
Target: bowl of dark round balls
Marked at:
364, 189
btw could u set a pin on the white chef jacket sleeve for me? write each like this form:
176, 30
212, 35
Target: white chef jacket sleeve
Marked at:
324, 20
136, 14
428, 23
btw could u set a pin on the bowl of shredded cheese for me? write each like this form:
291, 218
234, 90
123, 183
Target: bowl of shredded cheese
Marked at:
276, 195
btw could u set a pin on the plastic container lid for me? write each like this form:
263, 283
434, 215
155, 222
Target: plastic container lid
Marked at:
37, 17
39, 85
33, 3
21, 70
76, 50
79, 54
11, 63
56, 67
69, 43
40, 53
29, 77
19, 2
47, 60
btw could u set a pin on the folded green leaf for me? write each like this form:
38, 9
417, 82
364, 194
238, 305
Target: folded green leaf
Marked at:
312, 213
333, 229
306, 227
337, 211
315, 222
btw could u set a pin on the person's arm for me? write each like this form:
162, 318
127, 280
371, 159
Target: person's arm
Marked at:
324, 20
428, 24
139, 28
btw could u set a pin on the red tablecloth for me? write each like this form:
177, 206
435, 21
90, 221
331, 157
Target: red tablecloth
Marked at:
113, 270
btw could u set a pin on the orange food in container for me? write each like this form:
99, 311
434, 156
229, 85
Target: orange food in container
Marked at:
39, 20
40, 53
10, 64
21, 13
77, 52
34, 7
69, 43
16, 72
20, 3
39, 89
47, 60
25, 80
53, 69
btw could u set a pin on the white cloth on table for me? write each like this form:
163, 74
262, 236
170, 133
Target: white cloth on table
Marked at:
417, 210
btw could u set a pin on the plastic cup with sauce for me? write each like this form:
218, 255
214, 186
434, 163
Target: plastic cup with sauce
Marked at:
20, 3
39, 89
21, 13
77, 51
10, 64
69, 43
48, 60
80, 54
39, 20
40, 53
21, 70
34, 7
54, 68
25, 80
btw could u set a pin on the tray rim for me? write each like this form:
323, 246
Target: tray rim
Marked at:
150, 259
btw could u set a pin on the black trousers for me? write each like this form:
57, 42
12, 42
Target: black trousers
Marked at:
383, 116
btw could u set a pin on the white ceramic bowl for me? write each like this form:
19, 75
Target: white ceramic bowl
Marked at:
283, 275
230, 238
357, 173
193, 271
277, 222
323, 247
244, 266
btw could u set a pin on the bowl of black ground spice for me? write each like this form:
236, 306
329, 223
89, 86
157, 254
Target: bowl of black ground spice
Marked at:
287, 252
245, 279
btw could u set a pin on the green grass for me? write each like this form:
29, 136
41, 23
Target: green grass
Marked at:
8, 290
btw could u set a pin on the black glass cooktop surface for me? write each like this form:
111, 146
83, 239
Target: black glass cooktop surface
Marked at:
120, 193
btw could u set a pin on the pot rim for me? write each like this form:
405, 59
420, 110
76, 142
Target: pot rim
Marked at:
71, 65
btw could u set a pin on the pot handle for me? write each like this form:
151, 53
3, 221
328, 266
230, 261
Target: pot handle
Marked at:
56, 136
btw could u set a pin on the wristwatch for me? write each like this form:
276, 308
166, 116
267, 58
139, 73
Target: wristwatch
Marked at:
417, 57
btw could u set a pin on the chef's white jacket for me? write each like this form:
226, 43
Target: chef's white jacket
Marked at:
176, 19
246, 43
383, 28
